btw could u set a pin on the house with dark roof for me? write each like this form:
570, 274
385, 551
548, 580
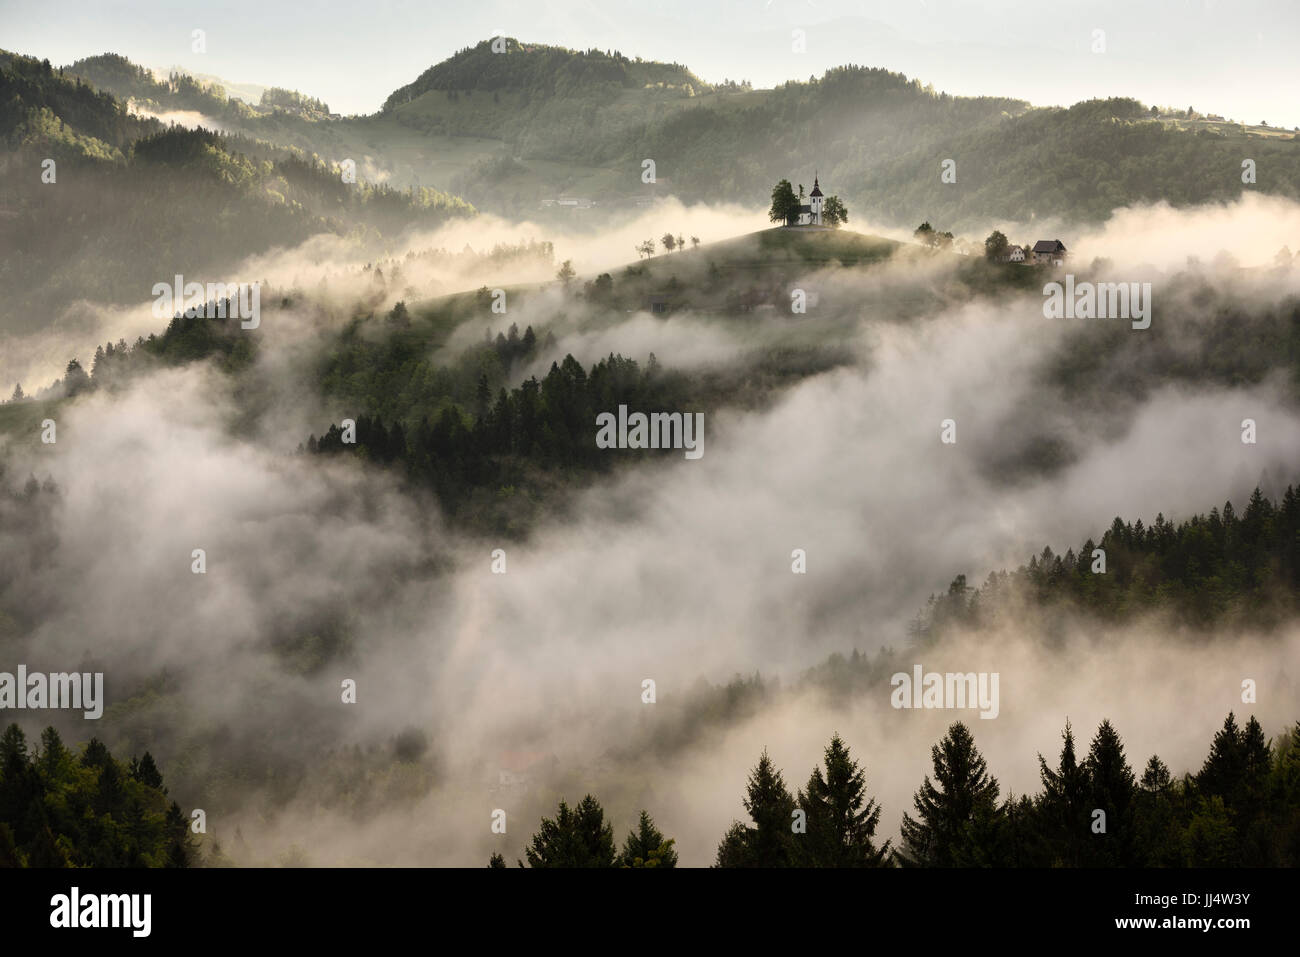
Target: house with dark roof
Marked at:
1049, 251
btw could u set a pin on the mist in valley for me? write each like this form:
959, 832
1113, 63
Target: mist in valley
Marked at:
680, 571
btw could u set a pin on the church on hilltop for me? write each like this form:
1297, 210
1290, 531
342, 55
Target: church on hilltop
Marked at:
810, 213
814, 211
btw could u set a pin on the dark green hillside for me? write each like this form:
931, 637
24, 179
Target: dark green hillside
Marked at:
135, 202
1076, 164
33, 96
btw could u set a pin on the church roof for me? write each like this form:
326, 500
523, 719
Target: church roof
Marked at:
817, 190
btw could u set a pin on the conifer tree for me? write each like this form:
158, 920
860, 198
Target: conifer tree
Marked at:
575, 838
146, 772
947, 808
733, 849
647, 847
1224, 770
1113, 789
1064, 805
54, 757
770, 842
1251, 812
1158, 836
771, 808
96, 754
1258, 760
841, 819
180, 847
13, 746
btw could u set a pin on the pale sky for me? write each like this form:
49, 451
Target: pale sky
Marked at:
1240, 58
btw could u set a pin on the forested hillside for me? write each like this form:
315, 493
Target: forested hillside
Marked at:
512, 128
876, 137
1205, 571
134, 202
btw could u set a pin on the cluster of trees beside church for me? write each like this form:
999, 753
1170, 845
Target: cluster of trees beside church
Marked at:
786, 203
60, 808
1241, 809
1215, 569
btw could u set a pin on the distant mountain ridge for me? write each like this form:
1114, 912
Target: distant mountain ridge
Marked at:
182, 90
583, 123
512, 131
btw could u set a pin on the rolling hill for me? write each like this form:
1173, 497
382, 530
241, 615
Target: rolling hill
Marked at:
511, 130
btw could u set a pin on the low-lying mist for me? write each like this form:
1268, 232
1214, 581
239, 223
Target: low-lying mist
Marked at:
320, 570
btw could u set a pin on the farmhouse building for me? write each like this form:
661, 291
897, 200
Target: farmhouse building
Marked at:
1049, 251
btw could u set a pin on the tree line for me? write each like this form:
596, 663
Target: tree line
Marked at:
786, 204
1206, 570
1241, 809
502, 443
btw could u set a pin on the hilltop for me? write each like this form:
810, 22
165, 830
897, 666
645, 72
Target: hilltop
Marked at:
505, 64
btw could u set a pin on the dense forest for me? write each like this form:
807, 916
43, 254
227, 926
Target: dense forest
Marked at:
1206, 571
60, 808
1241, 809
486, 460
